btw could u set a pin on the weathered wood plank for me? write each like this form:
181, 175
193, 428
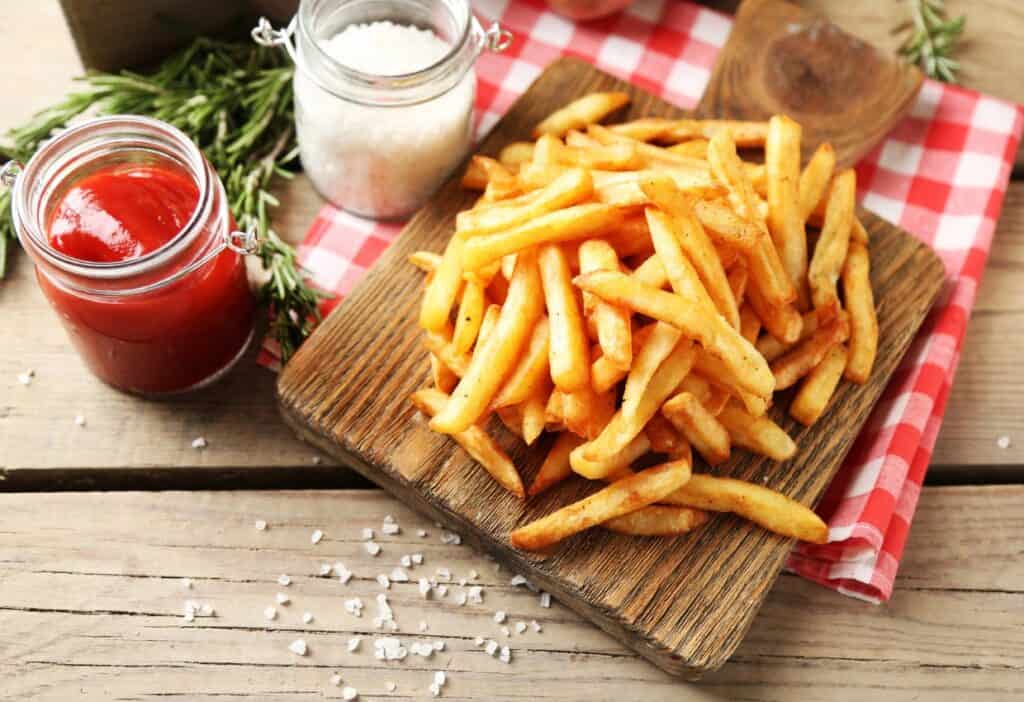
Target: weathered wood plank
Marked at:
92, 595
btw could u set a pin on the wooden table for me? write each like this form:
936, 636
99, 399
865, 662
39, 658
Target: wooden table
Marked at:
91, 583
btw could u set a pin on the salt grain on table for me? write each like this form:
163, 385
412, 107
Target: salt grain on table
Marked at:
383, 581
499, 616
367, 534
343, 573
520, 627
535, 625
424, 586
260, 525
450, 538
186, 583
390, 529
475, 595
391, 686
284, 580
283, 599
417, 558
439, 645
80, 420
1003, 442
307, 617
505, 631
354, 607
353, 643
388, 648
270, 613
422, 533
336, 680
325, 569
199, 443
316, 536
473, 575
399, 576
372, 548
349, 693
479, 640
506, 655
405, 561
298, 647
491, 647
545, 599
423, 626
441, 590
444, 574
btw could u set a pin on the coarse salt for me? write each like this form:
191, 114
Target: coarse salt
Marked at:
391, 686
367, 534
343, 573
517, 580
336, 680
383, 581
422, 533
545, 600
473, 575
316, 536
405, 561
345, 146
444, 574
1003, 442
307, 617
283, 599
520, 627
491, 647
353, 643
349, 693
186, 583
449, 537
423, 626
270, 613
80, 420
399, 576
298, 647
388, 648
372, 548
325, 569
199, 443
475, 595
479, 640
261, 525
439, 645
506, 655
354, 607
26, 377
500, 616
284, 580
417, 558
424, 586
505, 631
535, 625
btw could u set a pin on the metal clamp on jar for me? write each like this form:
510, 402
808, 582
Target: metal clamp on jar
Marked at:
384, 94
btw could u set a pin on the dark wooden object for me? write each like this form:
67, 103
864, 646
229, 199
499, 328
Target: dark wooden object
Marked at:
781, 59
684, 603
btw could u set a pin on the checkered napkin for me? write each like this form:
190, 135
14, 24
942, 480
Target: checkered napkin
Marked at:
941, 174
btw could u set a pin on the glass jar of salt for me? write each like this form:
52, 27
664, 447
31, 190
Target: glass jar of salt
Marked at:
384, 93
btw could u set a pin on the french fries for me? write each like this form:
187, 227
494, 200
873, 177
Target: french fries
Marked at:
580, 113
640, 289
569, 350
833, 245
772, 510
860, 302
476, 441
816, 390
704, 432
658, 520
620, 498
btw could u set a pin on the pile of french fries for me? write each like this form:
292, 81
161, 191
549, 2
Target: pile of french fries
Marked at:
640, 290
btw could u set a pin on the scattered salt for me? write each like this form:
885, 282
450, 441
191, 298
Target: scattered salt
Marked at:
491, 647
383, 581
473, 575
391, 686
479, 640
517, 580
80, 420
460, 599
422, 533
535, 625
270, 613
506, 655
520, 627
423, 650
367, 534
405, 561
316, 536
545, 599
349, 693
439, 645
298, 647
444, 574
475, 595
199, 443
390, 529
325, 569
500, 616
372, 548
186, 583
317, 460
307, 617
206, 610
441, 590
424, 586
26, 377
417, 558
283, 598
353, 643
388, 648
399, 576
505, 631
1003, 442
423, 626
343, 573
336, 680
284, 580
261, 525
354, 607
448, 537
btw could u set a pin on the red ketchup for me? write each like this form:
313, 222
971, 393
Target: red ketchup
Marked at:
175, 336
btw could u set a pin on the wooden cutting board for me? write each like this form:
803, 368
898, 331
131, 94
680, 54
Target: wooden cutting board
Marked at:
684, 603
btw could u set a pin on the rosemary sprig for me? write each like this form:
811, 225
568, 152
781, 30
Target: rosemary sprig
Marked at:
932, 39
234, 99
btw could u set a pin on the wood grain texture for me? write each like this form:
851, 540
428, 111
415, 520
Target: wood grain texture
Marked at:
781, 59
685, 603
97, 616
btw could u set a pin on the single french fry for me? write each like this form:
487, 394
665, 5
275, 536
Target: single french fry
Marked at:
555, 467
619, 498
652, 273
516, 154
833, 244
720, 375
815, 178
641, 404
860, 303
658, 520
569, 351
619, 156
815, 392
652, 156
704, 432
799, 361
750, 324
487, 174
663, 436
443, 289
744, 134
782, 170
495, 360
758, 434
490, 319
726, 227
469, 317
438, 345
680, 270
570, 188
858, 233
763, 506
572, 223
614, 324
426, 261
645, 129
738, 276
693, 320
782, 321
534, 415
444, 377
692, 239
531, 372
476, 441
581, 112
695, 148
609, 465
771, 348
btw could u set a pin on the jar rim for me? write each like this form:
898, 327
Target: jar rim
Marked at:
143, 129
378, 81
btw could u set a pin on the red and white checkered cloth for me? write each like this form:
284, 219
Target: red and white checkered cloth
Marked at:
941, 174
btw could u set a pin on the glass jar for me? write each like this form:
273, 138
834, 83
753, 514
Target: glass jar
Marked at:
375, 144
170, 320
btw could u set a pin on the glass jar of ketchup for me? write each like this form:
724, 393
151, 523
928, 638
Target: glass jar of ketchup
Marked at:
135, 249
